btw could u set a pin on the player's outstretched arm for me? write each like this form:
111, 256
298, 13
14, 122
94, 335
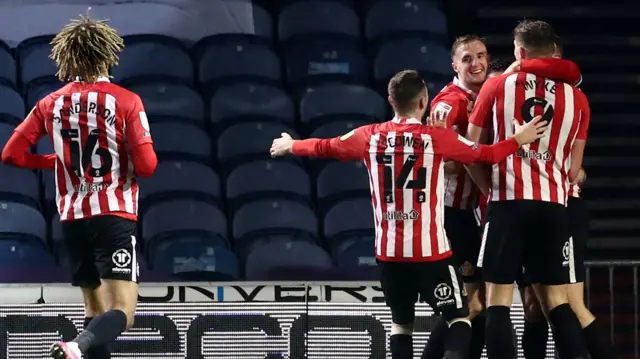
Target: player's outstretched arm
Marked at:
350, 146
26, 135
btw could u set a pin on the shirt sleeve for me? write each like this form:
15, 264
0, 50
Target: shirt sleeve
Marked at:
585, 115
449, 109
33, 126
138, 131
452, 146
557, 69
350, 146
483, 108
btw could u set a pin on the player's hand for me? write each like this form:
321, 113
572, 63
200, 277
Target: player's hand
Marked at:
530, 132
437, 119
282, 146
581, 178
514, 67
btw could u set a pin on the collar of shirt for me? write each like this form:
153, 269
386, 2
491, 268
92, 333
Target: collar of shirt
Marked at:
406, 121
464, 88
100, 79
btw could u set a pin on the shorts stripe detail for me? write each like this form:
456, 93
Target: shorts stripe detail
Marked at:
456, 287
572, 263
482, 246
134, 260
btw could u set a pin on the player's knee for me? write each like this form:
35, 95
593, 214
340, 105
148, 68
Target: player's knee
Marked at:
533, 312
476, 306
554, 296
401, 329
94, 301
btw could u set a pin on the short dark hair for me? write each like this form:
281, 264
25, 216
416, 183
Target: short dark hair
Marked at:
559, 45
404, 88
537, 37
498, 65
463, 40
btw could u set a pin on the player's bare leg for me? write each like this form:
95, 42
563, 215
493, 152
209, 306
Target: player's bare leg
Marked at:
596, 337
536, 327
476, 298
122, 297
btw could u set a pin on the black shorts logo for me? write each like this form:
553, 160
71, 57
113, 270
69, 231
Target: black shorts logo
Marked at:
566, 252
121, 260
443, 294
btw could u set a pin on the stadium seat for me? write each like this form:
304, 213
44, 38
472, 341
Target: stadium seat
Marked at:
297, 260
249, 142
403, 18
33, 60
222, 64
250, 102
183, 217
262, 31
357, 256
304, 19
195, 259
333, 185
153, 57
11, 106
180, 179
8, 71
311, 63
360, 221
331, 102
16, 255
21, 221
6, 130
19, 185
274, 217
49, 184
181, 141
337, 128
170, 101
39, 89
268, 179
429, 58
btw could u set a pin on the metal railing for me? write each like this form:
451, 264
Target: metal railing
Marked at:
612, 266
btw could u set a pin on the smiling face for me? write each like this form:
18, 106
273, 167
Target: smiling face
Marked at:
470, 63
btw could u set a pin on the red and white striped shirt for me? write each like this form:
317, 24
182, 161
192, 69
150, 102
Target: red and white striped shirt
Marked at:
405, 160
93, 128
538, 171
454, 103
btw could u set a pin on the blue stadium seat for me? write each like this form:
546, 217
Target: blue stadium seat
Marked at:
403, 18
19, 185
11, 106
274, 217
328, 103
16, 255
357, 256
249, 142
6, 130
337, 128
181, 141
8, 71
57, 240
33, 60
262, 31
251, 102
39, 89
153, 56
186, 217
295, 258
195, 259
303, 19
222, 64
429, 58
180, 179
268, 179
21, 221
360, 221
342, 180
325, 60
170, 101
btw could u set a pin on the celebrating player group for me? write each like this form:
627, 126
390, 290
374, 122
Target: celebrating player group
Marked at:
494, 173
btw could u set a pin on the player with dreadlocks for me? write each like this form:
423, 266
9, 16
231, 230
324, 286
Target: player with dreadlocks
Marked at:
102, 141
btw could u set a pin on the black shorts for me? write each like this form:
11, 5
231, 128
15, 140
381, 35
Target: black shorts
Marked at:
465, 239
101, 247
529, 234
578, 217
436, 283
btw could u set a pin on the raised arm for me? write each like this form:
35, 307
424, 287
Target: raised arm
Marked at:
350, 146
